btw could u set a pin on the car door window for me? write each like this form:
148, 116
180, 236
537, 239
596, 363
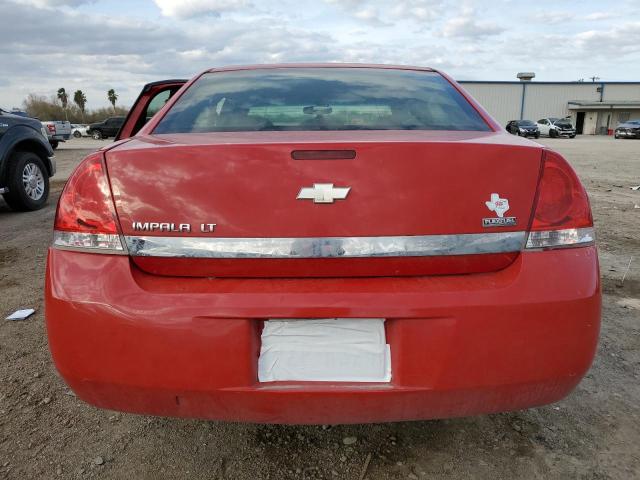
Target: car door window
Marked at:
152, 98
157, 103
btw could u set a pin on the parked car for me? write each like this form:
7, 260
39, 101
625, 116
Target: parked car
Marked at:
430, 265
630, 129
26, 162
105, 129
57, 131
79, 131
556, 127
524, 128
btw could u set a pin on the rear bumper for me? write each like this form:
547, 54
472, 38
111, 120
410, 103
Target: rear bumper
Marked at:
460, 344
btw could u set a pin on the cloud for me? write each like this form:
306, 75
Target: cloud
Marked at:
597, 16
417, 10
347, 3
619, 40
591, 50
382, 12
556, 17
466, 26
184, 9
48, 44
41, 56
369, 15
552, 17
73, 33
55, 3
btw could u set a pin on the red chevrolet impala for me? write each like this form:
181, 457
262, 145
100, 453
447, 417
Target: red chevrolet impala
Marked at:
321, 244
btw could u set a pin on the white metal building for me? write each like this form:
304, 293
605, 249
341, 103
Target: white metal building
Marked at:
595, 108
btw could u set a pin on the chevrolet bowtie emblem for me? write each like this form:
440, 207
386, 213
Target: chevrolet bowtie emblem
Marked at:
323, 193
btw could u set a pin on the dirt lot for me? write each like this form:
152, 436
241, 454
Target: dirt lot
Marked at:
46, 432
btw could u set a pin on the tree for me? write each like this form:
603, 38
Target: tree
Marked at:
112, 96
64, 100
39, 106
80, 99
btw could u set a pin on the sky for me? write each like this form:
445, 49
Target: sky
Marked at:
95, 45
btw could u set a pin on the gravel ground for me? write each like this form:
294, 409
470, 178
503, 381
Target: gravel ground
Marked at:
45, 432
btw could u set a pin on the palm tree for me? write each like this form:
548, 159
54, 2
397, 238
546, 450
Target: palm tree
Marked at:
64, 99
112, 96
80, 99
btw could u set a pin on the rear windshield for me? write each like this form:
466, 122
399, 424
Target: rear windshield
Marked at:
311, 99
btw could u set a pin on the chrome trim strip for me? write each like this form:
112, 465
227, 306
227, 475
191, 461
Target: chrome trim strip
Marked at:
326, 247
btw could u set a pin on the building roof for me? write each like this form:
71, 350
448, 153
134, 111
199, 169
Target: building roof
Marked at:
606, 105
519, 82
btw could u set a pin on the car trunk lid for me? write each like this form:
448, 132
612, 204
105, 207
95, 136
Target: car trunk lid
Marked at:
245, 205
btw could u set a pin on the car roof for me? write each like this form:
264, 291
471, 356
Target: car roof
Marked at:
267, 66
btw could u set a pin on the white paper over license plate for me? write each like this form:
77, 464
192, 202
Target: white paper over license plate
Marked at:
324, 350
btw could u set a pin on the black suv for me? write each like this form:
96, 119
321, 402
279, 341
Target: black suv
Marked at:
26, 162
105, 129
525, 128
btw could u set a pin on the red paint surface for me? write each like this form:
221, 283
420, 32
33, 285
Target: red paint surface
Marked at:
402, 183
325, 267
460, 344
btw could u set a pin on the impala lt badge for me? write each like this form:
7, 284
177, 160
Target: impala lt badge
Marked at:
171, 227
500, 207
323, 193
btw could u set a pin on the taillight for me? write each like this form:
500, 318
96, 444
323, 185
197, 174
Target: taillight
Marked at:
85, 218
52, 128
562, 216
